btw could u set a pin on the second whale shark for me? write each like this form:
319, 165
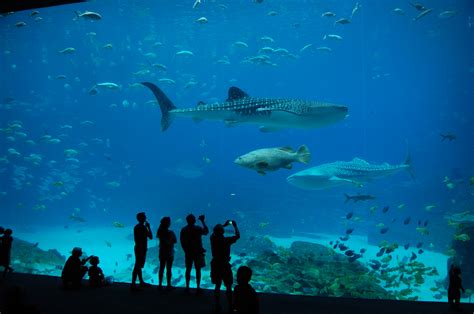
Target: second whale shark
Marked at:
338, 173
239, 108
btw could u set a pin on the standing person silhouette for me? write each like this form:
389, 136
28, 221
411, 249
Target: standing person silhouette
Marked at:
141, 233
191, 242
166, 254
5, 251
455, 287
221, 270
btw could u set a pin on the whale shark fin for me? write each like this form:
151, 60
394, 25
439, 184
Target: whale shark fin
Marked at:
235, 93
166, 105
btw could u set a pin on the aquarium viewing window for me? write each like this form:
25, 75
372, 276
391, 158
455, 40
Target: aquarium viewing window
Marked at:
336, 134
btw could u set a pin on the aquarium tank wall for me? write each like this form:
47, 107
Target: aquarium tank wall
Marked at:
337, 134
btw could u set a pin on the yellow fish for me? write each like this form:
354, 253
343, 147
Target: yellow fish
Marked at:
462, 237
429, 207
423, 230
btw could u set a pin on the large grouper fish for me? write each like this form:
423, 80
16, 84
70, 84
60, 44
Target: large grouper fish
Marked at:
269, 114
338, 173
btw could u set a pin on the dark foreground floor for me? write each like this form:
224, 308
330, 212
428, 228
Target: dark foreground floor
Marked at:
43, 293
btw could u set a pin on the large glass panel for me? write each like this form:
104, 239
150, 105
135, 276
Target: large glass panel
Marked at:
365, 188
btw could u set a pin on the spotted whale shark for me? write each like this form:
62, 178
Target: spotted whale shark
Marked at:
240, 108
338, 173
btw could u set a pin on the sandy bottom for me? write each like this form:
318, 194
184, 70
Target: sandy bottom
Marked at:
114, 246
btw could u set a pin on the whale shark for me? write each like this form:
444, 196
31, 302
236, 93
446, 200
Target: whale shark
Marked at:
240, 108
339, 173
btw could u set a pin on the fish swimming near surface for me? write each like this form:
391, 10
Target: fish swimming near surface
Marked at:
240, 108
339, 173
272, 159
358, 197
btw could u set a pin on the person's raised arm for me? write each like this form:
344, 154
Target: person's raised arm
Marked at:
206, 229
148, 230
236, 229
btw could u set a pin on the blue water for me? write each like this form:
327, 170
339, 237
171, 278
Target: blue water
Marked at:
404, 82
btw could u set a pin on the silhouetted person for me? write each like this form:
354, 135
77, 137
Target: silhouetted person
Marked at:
74, 269
96, 275
245, 297
455, 287
5, 251
191, 242
141, 233
221, 270
166, 254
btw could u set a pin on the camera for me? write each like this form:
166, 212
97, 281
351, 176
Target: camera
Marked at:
201, 217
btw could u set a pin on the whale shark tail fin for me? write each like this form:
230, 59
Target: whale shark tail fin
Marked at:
166, 105
409, 166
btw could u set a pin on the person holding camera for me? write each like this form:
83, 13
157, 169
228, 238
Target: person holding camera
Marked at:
141, 233
221, 270
191, 242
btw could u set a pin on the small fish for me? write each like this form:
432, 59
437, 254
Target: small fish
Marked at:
240, 44
423, 230
67, 50
422, 14
420, 251
380, 225
324, 49
407, 220
363, 250
406, 246
385, 209
349, 231
108, 243
345, 238
349, 215
89, 15
399, 11
202, 20
342, 21
349, 253
358, 197
384, 230
374, 264
462, 237
332, 37
196, 4
429, 207
328, 14
117, 224
185, 53
267, 38
447, 14
108, 85
471, 181
425, 224
76, 218
335, 245
373, 209
419, 245
381, 252
401, 206
343, 247
306, 47
34, 13
354, 257
356, 8
447, 136
418, 6
262, 225
272, 13
20, 24
413, 257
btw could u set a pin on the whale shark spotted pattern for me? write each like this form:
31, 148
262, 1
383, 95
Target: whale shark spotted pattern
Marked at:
239, 108
356, 172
